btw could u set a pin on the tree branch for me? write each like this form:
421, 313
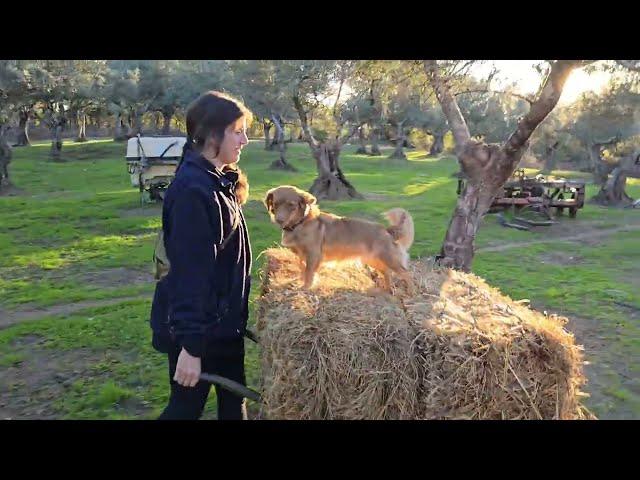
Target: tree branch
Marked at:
630, 165
449, 105
335, 104
486, 90
548, 97
277, 124
303, 121
462, 67
345, 138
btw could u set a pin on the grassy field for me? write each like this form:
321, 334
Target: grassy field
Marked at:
76, 284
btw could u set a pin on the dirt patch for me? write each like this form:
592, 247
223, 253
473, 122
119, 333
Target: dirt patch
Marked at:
151, 210
120, 276
11, 191
12, 317
587, 236
29, 390
632, 311
560, 258
605, 366
632, 278
108, 277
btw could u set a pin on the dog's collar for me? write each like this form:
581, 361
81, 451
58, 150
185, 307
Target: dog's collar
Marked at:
291, 228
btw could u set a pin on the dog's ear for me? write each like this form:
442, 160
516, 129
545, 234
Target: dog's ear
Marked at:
268, 200
307, 198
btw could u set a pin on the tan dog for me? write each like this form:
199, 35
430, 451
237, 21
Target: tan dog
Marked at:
317, 236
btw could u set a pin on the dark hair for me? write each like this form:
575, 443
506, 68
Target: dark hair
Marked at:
209, 115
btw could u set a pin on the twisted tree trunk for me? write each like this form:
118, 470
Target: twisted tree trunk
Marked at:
599, 167
166, 122
330, 184
281, 162
56, 121
400, 138
362, 149
117, 128
5, 158
613, 193
486, 166
24, 115
82, 126
130, 130
267, 137
56, 142
375, 149
137, 121
437, 147
550, 158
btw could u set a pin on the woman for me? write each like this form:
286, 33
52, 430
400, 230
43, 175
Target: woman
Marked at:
200, 308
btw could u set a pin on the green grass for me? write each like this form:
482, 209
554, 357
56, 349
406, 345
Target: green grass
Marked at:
11, 359
83, 216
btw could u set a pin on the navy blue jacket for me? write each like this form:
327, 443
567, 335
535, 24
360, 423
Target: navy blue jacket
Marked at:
203, 300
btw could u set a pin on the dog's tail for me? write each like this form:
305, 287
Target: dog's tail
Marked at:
401, 228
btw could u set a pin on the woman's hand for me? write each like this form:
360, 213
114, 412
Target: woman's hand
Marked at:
188, 369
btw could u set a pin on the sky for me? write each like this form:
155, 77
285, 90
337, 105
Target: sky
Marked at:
528, 80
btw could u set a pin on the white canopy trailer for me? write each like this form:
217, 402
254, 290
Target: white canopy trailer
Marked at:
152, 162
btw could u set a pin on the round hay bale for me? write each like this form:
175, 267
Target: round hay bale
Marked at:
456, 349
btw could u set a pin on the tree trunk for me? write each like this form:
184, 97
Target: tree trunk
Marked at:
82, 127
458, 246
281, 163
375, 149
23, 129
549, 158
130, 129
599, 167
267, 137
72, 122
117, 129
56, 142
331, 183
487, 166
137, 122
437, 147
5, 158
166, 123
157, 122
398, 152
612, 193
362, 149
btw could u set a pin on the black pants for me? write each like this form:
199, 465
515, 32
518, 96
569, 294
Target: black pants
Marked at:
187, 403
